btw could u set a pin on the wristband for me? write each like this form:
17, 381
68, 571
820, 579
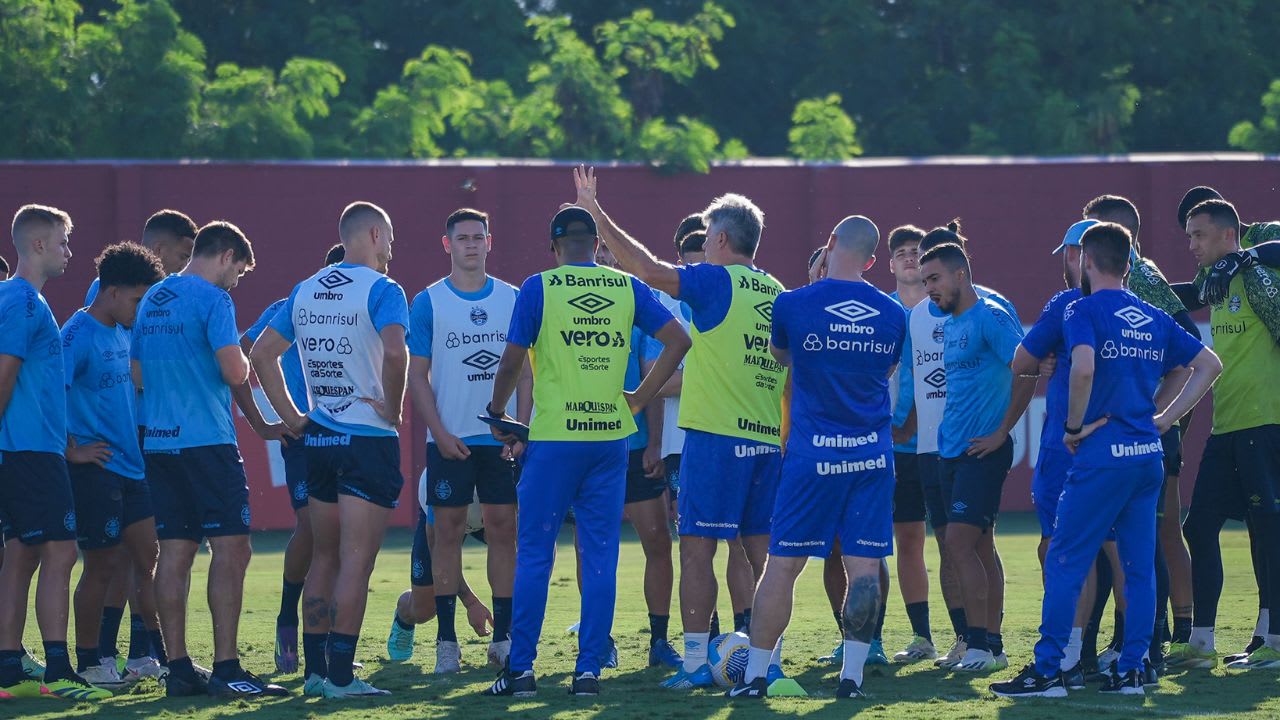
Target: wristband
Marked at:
1072, 431
488, 408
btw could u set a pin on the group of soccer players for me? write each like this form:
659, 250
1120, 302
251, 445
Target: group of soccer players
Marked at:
827, 421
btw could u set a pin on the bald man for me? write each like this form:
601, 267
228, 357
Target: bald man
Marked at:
842, 339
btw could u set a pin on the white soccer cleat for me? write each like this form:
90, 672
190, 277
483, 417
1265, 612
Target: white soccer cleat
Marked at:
953, 656
498, 653
977, 661
104, 675
919, 649
145, 667
448, 657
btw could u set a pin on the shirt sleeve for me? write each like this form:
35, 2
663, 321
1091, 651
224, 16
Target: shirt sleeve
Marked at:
1182, 348
1003, 334
70, 361
705, 288
778, 337
420, 325
1078, 328
220, 327
650, 315
283, 320
906, 378
526, 314
388, 305
255, 330
1046, 334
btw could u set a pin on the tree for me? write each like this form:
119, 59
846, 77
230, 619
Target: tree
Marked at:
686, 146
821, 130
37, 42
1264, 136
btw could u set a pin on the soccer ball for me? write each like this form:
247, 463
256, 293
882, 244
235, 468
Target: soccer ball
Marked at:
727, 657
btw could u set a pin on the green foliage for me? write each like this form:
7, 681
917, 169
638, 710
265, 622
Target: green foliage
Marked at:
821, 130
37, 49
686, 145
1265, 135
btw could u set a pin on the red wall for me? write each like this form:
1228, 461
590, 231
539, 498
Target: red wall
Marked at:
1014, 213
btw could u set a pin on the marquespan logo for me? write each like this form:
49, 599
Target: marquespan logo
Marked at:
591, 303
852, 311
334, 279
1133, 316
163, 297
766, 310
937, 378
482, 360
478, 315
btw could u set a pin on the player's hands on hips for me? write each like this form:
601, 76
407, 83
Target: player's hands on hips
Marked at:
95, 453
297, 423
584, 181
1048, 364
1218, 282
379, 406
987, 444
277, 431
512, 450
451, 447
1164, 422
479, 618
654, 468
1073, 441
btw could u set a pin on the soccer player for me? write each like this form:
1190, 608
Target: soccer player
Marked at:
348, 321
842, 339
974, 445
187, 358
457, 331
1240, 469
115, 522
575, 323
297, 552
1118, 406
36, 505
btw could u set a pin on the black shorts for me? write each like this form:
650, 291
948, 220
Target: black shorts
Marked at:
420, 567
36, 504
360, 466
1239, 473
929, 469
639, 487
106, 504
908, 493
972, 486
672, 463
198, 492
484, 474
1171, 444
295, 473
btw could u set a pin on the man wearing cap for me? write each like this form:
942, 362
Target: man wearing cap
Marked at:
573, 323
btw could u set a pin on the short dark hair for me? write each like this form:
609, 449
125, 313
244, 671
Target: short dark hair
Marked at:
357, 212
950, 254
128, 264
944, 235
220, 236
904, 234
1115, 206
690, 224
171, 222
1222, 213
813, 257
29, 215
4, 265
336, 254
692, 242
1109, 246
1194, 197
462, 214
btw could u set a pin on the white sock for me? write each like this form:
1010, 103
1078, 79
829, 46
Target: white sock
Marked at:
1202, 638
855, 658
1071, 654
1264, 623
757, 664
695, 650
775, 658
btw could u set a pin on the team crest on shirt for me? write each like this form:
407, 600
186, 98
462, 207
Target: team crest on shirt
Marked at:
1234, 305
937, 333
112, 528
479, 316
443, 490
963, 342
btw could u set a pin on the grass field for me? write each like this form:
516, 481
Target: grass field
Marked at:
632, 692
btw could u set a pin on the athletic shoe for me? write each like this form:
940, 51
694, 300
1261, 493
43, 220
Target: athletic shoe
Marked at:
286, 648
103, 675
33, 668
244, 685
758, 688
1263, 658
498, 653
876, 656
75, 688
28, 688
774, 673
448, 657
585, 685
611, 663
1074, 678
1188, 656
1150, 676
399, 642
919, 649
356, 688
314, 686
682, 680
953, 656
1129, 683
136, 669
661, 653
510, 684
849, 690
1108, 657
175, 686
835, 658
976, 661
1002, 662
1030, 683
1253, 645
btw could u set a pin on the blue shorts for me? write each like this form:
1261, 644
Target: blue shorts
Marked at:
420, 569
822, 499
198, 492
484, 474
1046, 486
972, 486
295, 473
362, 466
728, 486
929, 468
36, 504
106, 504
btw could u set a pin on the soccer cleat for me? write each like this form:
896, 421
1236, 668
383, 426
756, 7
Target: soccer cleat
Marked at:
27, 688
244, 685
356, 688
1150, 675
1002, 661
683, 680
136, 669
400, 642
849, 690
585, 685
611, 663
919, 649
448, 657
286, 648
498, 653
662, 653
1261, 659
876, 656
953, 656
1030, 683
175, 686
758, 688
1187, 656
976, 661
32, 667
314, 686
75, 688
1128, 683
1253, 645
1074, 678
510, 684
835, 658
1108, 657
104, 675
774, 673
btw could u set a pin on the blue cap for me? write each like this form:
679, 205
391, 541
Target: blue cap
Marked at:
1074, 233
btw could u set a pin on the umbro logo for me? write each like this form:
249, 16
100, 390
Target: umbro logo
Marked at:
937, 378
482, 360
334, 279
247, 688
765, 309
591, 303
163, 297
1133, 316
852, 311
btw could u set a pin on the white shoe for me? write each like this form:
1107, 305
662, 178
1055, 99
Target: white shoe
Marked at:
104, 675
977, 661
145, 667
448, 657
1107, 657
314, 686
498, 653
357, 688
954, 655
919, 649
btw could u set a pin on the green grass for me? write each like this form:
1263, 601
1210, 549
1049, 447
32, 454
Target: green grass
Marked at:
632, 692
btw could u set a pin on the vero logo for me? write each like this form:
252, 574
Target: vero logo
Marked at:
1133, 316
334, 279
852, 311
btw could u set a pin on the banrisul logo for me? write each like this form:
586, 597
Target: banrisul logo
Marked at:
1133, 316
765, 309
163, 297
853, 313
331, 281
591, 303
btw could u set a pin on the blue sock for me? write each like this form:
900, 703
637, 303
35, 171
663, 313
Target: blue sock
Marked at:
86, 658
182, 668
290, 593
227, 670
11, 667
57, 664
445, 608
342, 653
157, 646
110, 631
313, 654
139, 640
501, 619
